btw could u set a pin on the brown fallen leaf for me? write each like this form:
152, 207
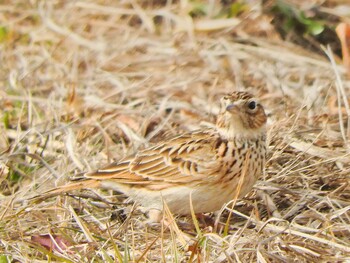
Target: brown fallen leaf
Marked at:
51, 242
343, 32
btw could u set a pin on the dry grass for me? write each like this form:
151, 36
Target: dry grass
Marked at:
84, 83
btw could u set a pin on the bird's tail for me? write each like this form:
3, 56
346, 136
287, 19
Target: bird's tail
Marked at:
81, 184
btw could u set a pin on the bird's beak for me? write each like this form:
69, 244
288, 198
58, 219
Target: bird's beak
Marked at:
232, 108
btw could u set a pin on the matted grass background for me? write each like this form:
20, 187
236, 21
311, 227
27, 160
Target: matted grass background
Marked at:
87, 82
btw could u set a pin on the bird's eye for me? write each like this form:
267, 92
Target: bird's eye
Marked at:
252, 105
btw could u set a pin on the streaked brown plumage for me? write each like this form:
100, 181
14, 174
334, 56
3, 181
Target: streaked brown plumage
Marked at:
206, 164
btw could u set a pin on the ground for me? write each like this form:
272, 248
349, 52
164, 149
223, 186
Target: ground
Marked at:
87, 82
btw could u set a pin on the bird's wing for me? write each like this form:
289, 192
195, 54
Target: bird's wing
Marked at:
183, 159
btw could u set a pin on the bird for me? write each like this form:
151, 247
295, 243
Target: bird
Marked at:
197, 171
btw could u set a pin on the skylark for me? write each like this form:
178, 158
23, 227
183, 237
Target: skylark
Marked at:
206, 167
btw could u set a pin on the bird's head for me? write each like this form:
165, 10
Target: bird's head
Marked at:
241, 116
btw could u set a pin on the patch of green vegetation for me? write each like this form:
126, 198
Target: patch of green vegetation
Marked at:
16, 172
3, 34
4, 259
237, 8
14, 176
6, 120
293, 18
200, 8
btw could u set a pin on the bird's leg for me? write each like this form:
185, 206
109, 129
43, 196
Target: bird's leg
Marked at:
205, 220
154, 216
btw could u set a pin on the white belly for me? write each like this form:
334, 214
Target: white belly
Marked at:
178, 199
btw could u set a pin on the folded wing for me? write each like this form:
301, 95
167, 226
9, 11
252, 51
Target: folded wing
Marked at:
181, 160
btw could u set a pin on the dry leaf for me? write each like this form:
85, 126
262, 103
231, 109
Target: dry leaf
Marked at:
343, 32
51, 242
